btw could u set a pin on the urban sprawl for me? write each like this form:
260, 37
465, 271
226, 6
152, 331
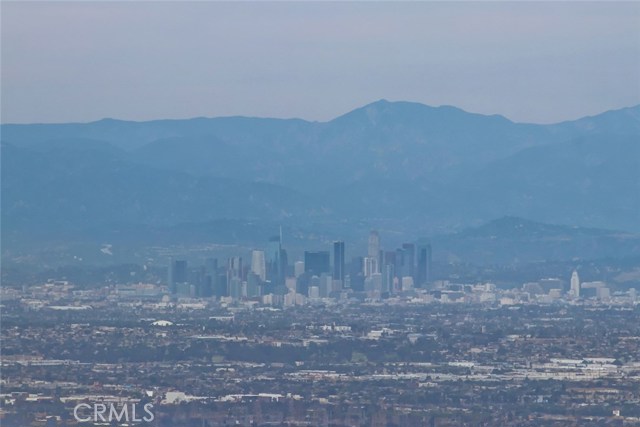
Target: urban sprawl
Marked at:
377, 341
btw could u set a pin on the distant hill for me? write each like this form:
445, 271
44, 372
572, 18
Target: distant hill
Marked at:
625, 121
591, 180
71, 188
511, 239
406, 168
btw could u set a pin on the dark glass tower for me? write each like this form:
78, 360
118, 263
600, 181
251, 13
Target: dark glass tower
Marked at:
338, 260
273, 260
177, 274
317, 263
424, 265
409, 261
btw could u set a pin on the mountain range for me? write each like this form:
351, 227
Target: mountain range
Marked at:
405, 168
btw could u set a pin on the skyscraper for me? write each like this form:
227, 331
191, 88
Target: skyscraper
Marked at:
409, 253
276, 261
374, 246
234, 271
370, 266
258, 265
387, 278
399, 263
221, 286
177, 274
284, 266
317, 263
298, 269
575, 284
254, 283
210, 278
235, 288
338, 261
423, 275
356, 274
273, 259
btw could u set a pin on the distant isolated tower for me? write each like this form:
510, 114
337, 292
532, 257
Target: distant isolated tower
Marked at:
258, 264
575, 284
374, 247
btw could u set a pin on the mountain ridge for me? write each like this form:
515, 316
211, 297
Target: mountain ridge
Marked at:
635, 109
413, 169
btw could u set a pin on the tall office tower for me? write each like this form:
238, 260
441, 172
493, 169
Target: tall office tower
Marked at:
273, 263
374, 245
254, 285
388, 269
387, 278
356, 274
211, 266
234, 270
370, 266
302, 283
210, 277
424, 265
284, 265
314, 281
177, 274
235, 288
399, 265
338, 261
409, 259
317, 263
258, 265
326, 283
207, 287
197, 279
376, 278
575, 284
389, 258
298, 268
276, 261
221, 286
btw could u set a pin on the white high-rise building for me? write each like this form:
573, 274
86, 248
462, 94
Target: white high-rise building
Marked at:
258, 264
575, 284
374, 246
370, 266
298, 268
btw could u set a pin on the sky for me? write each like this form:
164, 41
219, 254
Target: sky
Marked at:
537, 62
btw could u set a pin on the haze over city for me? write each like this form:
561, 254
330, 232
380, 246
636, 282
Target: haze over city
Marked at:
531, 62
379, 214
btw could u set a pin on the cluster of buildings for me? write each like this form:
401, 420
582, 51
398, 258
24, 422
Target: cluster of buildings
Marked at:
270, 276
377, 340
399, 276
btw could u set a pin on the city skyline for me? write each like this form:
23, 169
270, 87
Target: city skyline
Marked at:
355, 213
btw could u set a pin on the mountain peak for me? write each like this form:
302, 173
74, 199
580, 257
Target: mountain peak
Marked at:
381, 101
383, 111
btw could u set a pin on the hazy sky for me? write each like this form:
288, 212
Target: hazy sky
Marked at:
536, 62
